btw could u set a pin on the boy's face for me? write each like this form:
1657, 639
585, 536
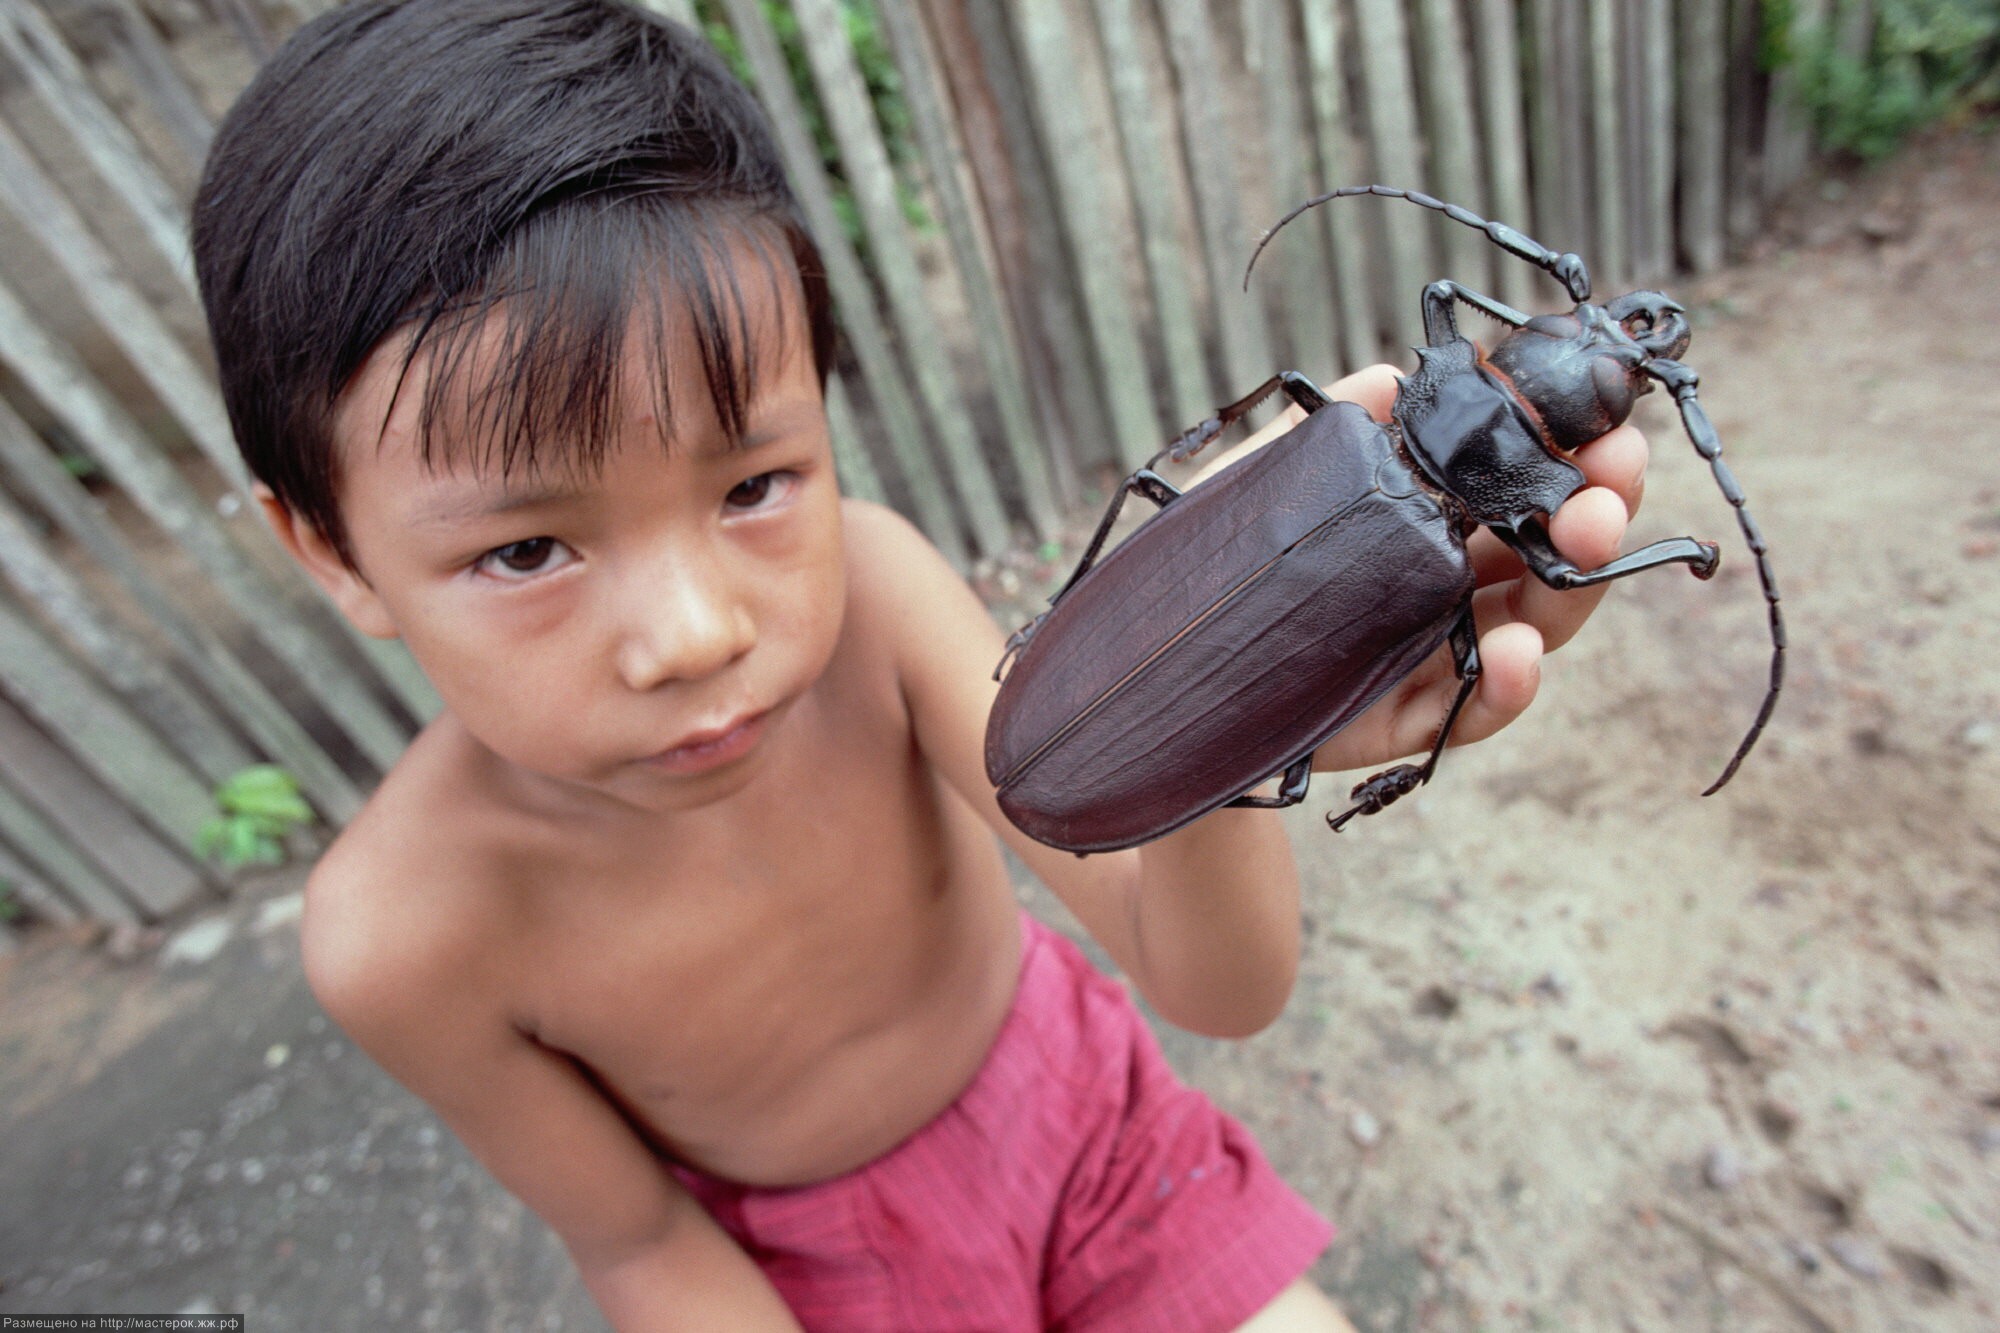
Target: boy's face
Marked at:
640, 630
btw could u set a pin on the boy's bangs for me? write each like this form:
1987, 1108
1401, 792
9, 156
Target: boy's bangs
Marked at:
525, 372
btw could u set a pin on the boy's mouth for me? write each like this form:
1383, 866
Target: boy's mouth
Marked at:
713, 747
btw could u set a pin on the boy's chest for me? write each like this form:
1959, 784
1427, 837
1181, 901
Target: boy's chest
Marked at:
753, 989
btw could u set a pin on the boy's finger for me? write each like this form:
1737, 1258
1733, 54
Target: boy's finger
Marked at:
1617, 461
1510, 661
1374, 387
1587, 530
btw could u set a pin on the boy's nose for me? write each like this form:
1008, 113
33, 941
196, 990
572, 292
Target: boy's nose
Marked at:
681, 629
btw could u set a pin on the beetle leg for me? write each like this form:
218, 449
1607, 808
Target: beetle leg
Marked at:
1194, 439
1391, 785
1291, 787
1441, 325
1531, 542
1147, 483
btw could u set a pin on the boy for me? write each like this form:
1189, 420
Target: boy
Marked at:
687, 913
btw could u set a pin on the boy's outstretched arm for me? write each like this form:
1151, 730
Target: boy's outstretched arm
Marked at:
1206, 920
418, 1002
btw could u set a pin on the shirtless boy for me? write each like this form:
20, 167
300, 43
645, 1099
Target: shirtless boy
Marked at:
687, 914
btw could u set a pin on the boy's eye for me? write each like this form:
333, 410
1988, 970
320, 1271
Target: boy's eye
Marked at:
518, 560
759, 490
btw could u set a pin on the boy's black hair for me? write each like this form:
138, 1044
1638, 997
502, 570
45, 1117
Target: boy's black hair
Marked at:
413, 165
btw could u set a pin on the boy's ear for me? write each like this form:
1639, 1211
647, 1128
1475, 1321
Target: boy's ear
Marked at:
315, 554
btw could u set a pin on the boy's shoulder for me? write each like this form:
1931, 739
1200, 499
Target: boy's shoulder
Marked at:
409, 898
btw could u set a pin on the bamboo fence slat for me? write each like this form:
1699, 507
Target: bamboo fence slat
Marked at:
1227, 236
949, 180
1496, 47
1081, 166
844, 98
1702, 110
35, 47
98, 732
1339, 164
850, 458
152, 70
187, 390
1036, 268
1445, 70
1651, 47
1610, 258
1398, 158
852, 294
51, 849
1136, 97
41, 580
1299, 270
40, 896
119, 444
234, 685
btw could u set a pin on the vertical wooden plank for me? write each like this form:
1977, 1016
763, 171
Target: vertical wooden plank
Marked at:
251, 29
1137, 97
1083, 173
51, 849
1392, 134
1445, 77
1560, 152
62, 497
34, 46
1743, 168
1227, 238
41, 580
852, 295
1789, 132
40, 896
116, 441
844, 100
124, 315
1299, 271
137, 46
1036, 273
1339, 164
1647, 58
1611, 259
1702, 107
187, 390
945, 163
850, 459
117, 749
1498, 51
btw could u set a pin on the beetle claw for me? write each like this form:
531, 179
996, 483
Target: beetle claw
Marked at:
1379, 792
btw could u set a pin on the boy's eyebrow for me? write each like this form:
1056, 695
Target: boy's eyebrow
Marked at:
464, 506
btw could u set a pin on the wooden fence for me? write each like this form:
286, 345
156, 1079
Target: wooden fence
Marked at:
1090, 175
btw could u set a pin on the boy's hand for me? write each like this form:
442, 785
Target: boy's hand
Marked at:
1519, 616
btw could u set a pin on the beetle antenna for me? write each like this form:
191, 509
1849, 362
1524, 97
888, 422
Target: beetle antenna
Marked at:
1567, 269
1681, 381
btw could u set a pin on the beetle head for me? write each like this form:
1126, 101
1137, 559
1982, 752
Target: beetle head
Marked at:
1657, 323
1579, 372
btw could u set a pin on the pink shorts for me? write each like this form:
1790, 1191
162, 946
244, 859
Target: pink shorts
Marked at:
1074, 1184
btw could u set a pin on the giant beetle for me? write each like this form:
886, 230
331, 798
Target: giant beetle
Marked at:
1242, 626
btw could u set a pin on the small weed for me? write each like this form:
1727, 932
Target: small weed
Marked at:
258, 806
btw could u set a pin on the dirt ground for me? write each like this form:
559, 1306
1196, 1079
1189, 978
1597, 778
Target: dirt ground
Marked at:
1572, 1049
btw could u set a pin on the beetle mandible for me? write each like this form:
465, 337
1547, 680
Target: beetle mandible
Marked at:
1241, 627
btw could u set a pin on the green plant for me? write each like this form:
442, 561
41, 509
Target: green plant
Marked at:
259, 805
1926, 61
878, 71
